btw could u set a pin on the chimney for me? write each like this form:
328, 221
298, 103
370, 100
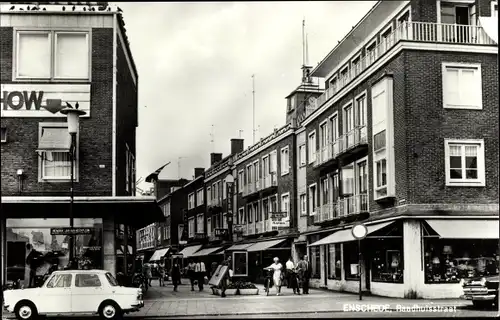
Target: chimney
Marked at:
215, 157
236, 146
198, 172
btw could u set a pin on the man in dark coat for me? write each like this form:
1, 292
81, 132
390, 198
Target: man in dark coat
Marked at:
304, 273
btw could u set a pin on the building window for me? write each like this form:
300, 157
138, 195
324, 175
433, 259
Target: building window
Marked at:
494, 9
303, 205
335, 186
274, 204
371, 52
360, 113
250, 213
199, 197
312, 147
54, 153
387, 261
285, 161
462, 88
351, 260
265, 166
381, 174
257, 212
190, 201
285, 205
450, 260
241, 180
302, 155
464, 163
241, 215
315, 262
167, 232
312, 199
4, 135
334, 123
209, 227
52, 55
200, 224
334, 261
334, 84
324, 135
265, 208
224, 191
348, 117
249, 174
273, 162
209, 194
166, 209
191, 227
256, 173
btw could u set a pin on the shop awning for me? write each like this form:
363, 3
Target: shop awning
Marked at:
241, 246
346, 235
189, 251
264, 245
159, 254
205, 252
54, 139
490, 27
465, 229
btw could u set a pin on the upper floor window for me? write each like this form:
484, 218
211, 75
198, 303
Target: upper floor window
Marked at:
224, 187
324, 134
273, 162
199, 197
209, 193
55, 55
265, 166
241, 215
200, 223
348, 117
302, 155
54, 153
494, 9
312, 199
361, 111
191, 227
285, 161
334, 128
311, 154
371, 53
303, 204
273, 204
285, 204
166, 209
464, 163
241, 180
462, 88
190, 201
250, 213
249, 174
256, 167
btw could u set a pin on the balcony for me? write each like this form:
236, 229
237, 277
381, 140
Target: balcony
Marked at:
328, 153
251, 188
354, 141
215, 202
352, 205
428, 32
325, 212
270, 181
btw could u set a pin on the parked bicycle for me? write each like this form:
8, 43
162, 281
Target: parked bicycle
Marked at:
140, 281
268, 282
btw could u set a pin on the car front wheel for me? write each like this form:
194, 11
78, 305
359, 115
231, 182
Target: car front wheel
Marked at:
110, 310
26, 310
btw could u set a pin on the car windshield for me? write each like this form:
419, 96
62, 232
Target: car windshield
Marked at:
477, 267
112, 281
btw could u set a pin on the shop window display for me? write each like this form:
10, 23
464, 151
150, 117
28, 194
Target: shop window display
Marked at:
334, 261
33, 252
240, 263
387, 260
450, 260
351, 260
315, 262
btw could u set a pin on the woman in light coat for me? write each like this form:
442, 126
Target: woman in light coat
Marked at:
277, 267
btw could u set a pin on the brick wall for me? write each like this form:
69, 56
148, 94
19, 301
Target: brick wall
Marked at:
95, 132
126, 118
427, 11
428, 124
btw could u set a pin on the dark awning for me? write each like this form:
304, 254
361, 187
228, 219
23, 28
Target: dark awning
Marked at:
135, 211
54, 139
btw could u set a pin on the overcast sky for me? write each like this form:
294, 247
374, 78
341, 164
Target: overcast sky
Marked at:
195, 62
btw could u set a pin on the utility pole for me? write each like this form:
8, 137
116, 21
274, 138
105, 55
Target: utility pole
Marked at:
253, 107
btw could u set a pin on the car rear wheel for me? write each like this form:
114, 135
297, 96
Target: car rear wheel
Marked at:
26, 310
110, 310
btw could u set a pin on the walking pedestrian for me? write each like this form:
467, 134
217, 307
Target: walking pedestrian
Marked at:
191, 273
176, 273
225, 280
304, 273
148, 273
161, 271
200, 272
289, 272
277, 268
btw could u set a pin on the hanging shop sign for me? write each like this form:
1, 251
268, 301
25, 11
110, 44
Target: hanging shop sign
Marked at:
70, 231
280, 220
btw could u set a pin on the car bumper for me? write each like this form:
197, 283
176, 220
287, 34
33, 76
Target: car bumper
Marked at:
135, 307
485, 297
9, 309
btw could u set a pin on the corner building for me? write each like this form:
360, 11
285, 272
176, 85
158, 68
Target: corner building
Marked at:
53, 52
404, 139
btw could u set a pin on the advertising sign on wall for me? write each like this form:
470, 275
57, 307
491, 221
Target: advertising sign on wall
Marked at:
30, 100
280, 220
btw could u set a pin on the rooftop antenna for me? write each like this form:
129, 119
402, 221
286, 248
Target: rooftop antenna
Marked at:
306, 69
303, 42
253, 107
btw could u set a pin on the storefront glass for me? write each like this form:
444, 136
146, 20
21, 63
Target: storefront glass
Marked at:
386, 255
32, 251
351, 260
240, 262
315, 262
449, 260
334, 261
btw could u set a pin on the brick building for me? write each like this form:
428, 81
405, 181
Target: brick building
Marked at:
404, 140
49, 52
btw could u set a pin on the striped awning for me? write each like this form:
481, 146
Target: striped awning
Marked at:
189, 251
265, 245
206, 252
160, 253
241, 246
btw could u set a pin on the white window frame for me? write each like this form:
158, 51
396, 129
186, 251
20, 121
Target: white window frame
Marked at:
344, 120
199, 197
192, 232
241, 180
191, 201
359, 67
264, 172
335, 116
285, 161
479, 89
312, 210
324, 126
481, 171
375, 55
256, 170
209, 193
274, 154
302, 155
311, 152
198, 223
303, 204
386, 41
52, 39
284, 196
334, 80
249, 177
493, 4
249, 213
41, 177
346, 79
356, 113
241, 216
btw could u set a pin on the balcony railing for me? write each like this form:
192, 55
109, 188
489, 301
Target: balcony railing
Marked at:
270, 180
353, 205
409, 31
353, 138
328, 152
215, 202
325, 212
248, 188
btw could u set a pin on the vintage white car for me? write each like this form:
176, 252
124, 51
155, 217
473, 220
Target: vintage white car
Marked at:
77, 292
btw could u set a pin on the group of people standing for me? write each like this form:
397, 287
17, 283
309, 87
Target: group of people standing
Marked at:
197, 273
296, 276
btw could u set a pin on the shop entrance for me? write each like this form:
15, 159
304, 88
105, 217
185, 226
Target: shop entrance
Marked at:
16, 253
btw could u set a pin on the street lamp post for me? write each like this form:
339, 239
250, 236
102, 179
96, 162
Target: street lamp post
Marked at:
359, 232
229, 203
73, 116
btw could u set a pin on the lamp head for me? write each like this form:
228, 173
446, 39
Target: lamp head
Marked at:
20, 172
229, 178
73, 118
